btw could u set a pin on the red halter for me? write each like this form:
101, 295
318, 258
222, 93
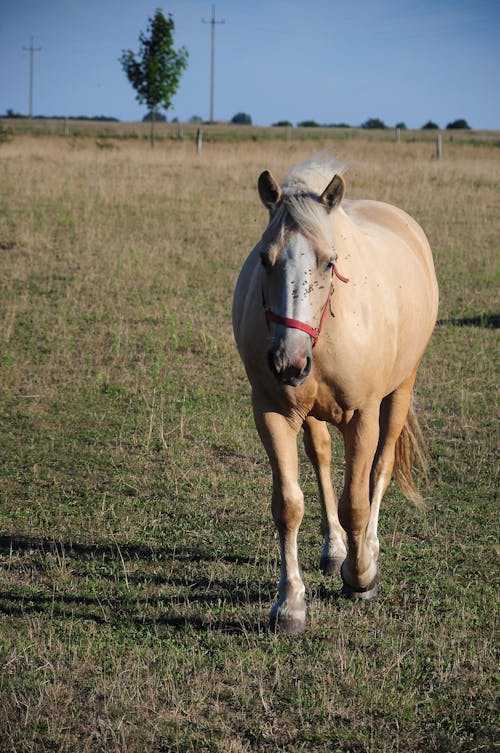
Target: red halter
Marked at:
314, 332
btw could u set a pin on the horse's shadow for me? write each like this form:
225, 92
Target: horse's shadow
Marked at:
483, 321
227, 605
199, 602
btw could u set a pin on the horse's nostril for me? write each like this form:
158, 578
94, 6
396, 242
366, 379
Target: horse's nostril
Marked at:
289, 371
301, 365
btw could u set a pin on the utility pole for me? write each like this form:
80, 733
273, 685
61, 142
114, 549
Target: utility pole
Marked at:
212, 23
31, 51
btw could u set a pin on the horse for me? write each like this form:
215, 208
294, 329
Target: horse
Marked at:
332, 313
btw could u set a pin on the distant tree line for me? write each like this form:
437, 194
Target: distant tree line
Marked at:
106, 118
243, 118
374, 123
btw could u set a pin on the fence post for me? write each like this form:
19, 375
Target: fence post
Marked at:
289, 132
199, 140
398, 135
180, 130
66, 126
438, 146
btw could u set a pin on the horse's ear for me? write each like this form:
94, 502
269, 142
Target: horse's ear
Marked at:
269, 190
333, 193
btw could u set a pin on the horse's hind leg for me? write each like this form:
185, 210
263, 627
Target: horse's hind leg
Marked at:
280, 442
393, 413
317, 442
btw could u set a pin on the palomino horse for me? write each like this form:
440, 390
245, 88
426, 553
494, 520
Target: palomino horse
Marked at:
348, 357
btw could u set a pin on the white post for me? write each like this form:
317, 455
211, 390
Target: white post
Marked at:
289, 132
199, 141
438, 146
180, 131
398, 135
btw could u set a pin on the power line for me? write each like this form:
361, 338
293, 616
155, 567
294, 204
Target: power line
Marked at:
31, 51
212, 23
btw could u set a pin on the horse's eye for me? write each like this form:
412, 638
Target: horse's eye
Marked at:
330, 264
264, 260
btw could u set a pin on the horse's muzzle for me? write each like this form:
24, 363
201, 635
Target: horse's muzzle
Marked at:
291, 372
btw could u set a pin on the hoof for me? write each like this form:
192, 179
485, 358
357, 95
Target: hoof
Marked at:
283, 621
367, 593
330, 565
348, 593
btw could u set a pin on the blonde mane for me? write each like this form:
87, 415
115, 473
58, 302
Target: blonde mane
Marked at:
302, 187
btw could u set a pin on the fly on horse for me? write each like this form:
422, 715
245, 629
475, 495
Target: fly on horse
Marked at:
332, 313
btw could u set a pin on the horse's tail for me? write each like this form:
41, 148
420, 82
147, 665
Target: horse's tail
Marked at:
411, 450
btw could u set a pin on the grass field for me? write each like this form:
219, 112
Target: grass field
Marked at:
227, 132
138, 558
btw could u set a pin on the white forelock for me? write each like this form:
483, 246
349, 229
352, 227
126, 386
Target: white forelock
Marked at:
301, 188
314, 174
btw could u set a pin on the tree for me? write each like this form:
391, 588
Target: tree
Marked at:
156, 70
241, 118
152, 115
430, 126
373, 123
460, 123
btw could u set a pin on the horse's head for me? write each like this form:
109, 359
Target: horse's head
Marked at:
298, 261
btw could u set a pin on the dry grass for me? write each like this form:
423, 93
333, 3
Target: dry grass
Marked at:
137, 554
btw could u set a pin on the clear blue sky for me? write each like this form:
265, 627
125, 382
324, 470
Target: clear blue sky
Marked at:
325, 60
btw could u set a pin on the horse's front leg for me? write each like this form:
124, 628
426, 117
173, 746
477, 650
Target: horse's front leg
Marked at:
359, 570
317, 442
280, 442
